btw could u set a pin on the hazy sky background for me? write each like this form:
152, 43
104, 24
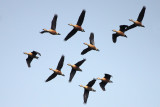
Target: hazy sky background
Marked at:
134, 62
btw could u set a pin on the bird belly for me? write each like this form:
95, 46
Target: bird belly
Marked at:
105, 80
92, 46
58, 72
76, 68
138, 23
78, 27
52, 31
121, 33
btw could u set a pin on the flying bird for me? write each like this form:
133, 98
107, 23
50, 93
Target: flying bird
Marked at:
91, 46
105, 80
75, 67
53, 27
119, 33
57, 71
76, 27
31, 55
88, 88
138, 22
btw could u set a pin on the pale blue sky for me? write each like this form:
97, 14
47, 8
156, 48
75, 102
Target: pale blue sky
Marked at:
134, 62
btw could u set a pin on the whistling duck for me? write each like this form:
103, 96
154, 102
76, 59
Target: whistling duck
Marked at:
88, 88
31, 55
76, 27
91, 46
53, 27
138, 22
105, 80
75, 67
58, 70
119, 33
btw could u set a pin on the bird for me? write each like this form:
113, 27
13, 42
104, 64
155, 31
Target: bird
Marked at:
91, 46
31, 55
53, 27
77, 27
57, 71
119, 33
105, 80
138, 22
88, 88
75, 67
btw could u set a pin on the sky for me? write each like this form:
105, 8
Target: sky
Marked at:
134, 62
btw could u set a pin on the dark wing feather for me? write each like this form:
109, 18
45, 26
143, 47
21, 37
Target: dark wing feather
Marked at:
60, 64
80, 62
70, 34
91, 38
123, 27
85, 95
107, 76
114, 37
73, 72
81, 18
28, 60
35, 53
130, 27
141, 14
91, 83
102, 85
51, 77
85, 51
53, 24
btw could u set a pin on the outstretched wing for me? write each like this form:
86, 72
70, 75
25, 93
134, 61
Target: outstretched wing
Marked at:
35, 53
70, 34
141, 14
53, 25
60, 64
51, 77
130, 27
91, 83
73, 72
85, 51
114, 37
81, 18
80, 62
28, 60
123, 27
108, 76
91, 38
85, 95
102, 85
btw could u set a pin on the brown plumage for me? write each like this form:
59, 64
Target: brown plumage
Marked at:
77, 27
57, 71
105, 80
138, 22
75, 67
31, 55
119, 33
53, 27
88, 88
91, 46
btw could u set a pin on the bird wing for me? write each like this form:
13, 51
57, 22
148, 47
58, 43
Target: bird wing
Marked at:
102, 85
114, 37
80, 62
123, 27
81, 18
53, 24
108, 76
28, 60
130, 27
91, 83
141, 14
70, 34
60, 64
85, 95
51, 77
91, 38
73, 72
85, 51
35, 53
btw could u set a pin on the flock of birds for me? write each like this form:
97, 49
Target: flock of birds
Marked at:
91, 46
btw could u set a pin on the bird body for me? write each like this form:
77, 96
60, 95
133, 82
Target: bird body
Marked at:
58, 72
79, 28
75, 67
